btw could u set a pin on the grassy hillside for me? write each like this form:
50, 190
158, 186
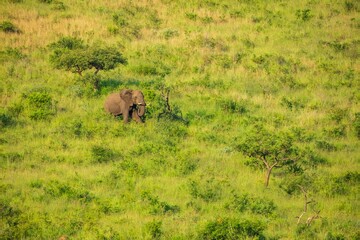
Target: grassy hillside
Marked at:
248, 81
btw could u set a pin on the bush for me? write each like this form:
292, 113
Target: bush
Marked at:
304, 15
6, 119
14, 224
69, 43
185, 165
55, 188
232, 106
11, 54
254, 205
232, 228
154, 229
157, 207
39, 105
325, 145
12, 156
9, 27
209, 190
101, 154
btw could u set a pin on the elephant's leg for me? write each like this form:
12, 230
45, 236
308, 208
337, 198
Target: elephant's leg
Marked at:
136, 117
126, 117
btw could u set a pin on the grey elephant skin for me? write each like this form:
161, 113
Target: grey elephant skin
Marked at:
127, 102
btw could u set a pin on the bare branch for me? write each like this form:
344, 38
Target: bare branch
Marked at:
312, 218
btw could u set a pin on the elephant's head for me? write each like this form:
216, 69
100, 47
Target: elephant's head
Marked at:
135, 99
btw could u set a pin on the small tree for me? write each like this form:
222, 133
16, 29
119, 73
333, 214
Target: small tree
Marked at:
72, 55
269, 150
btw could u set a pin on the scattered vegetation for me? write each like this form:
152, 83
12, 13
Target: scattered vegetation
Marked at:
251, 130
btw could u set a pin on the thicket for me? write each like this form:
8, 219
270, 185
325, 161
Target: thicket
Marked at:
239, 95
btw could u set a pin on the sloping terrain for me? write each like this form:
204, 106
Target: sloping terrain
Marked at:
236, 91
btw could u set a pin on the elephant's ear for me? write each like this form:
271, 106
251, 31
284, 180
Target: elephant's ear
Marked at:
126, 95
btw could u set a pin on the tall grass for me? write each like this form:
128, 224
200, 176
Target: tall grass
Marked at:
68, 169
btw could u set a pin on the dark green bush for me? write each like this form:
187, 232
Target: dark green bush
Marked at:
11, 54
325, 145
46, 1
13, 222
255, 205
12, 157
231, 228
340, 185
59, 6
39, 105
291, 184
304, 14
6, 119
69, 43
131, 167
292, 104
57, 189
157, 207
170, 33
185, 165
209, 190
232, 106
336, 236
337, 131
351, 6
102, 154
338, 114
191, 16
9, 27
154, 229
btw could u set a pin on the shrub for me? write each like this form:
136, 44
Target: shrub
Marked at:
185, 165
304, 14
59, 6
254, 205
292, 104
325, 145
337, 131
191, 16
6, 119
231, 228
12, 157
11, 54
69, 43
170, 33
209, 190
55, 188
157, 207
39, 105
232, 106
14, 223
101, 154
154, 229
336, 236
9, 27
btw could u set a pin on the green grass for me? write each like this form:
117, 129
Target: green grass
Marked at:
69, 169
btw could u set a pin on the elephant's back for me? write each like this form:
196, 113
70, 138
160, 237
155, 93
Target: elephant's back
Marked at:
112, 104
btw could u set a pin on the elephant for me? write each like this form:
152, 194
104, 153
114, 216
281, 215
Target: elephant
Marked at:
127, 102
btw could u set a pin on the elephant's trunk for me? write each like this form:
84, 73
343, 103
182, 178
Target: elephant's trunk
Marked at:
141, 110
